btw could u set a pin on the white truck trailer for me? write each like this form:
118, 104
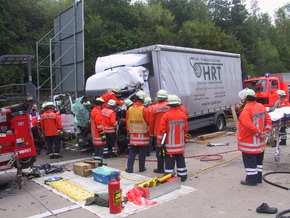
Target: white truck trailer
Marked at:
207, 82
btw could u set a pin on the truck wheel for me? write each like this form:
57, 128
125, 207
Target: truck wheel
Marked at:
220, 124
27, 162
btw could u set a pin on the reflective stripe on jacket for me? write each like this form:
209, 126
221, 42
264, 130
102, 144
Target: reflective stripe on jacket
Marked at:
96, 122
174, 124
109, 119
50, 123
136, 122
157, 111
253, 120
138, 130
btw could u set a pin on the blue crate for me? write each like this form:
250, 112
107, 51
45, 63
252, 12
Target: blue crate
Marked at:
104, 174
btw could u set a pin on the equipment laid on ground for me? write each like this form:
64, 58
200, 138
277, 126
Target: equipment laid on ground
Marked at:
16, 139
115, 195
207, 82
104, 174
280, 118
159, 185
266, 88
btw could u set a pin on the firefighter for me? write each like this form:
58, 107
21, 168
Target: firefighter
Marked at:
51, 125
137, 120
283, 102
174, 124
148, 106
110, 126
97, 130
157, 111
112, 94
128, 103
254, 125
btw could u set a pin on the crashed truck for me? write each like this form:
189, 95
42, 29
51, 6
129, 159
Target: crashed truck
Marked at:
207, 82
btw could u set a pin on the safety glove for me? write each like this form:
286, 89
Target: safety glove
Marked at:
103, 135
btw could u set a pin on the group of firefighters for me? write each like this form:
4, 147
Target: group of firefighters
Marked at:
161, 127
147, 124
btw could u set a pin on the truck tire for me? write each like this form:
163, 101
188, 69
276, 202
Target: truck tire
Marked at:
26, 162
219, 124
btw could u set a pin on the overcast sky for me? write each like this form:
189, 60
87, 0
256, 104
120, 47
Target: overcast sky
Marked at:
268, 6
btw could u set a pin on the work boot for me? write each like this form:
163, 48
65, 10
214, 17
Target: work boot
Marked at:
264, 208
142, 170
129, 170
158, 171
248, 183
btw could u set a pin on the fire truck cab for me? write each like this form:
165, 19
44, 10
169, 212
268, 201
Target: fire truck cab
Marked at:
16, 101
266, 88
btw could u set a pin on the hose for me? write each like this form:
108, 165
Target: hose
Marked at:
274, 184
279, 215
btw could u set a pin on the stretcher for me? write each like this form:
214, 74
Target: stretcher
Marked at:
280, 118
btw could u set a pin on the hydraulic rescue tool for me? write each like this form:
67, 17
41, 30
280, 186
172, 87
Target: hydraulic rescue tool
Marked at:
155, 181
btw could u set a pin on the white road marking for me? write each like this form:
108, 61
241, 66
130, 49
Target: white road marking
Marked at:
55, 212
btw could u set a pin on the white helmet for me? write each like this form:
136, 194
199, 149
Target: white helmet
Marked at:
161, 94
173, 100
250, 92
48, 104
111, 103
128, 102
140, 94
117, 89
147, 101
281, 92
99, 100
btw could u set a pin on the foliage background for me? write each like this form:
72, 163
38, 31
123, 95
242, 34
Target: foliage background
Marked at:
116, 25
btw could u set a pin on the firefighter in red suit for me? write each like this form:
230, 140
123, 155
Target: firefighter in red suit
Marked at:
50, 125
111, 94
253, 127
97, 130
137, 124
110, 126
148, 106
157, 111
283, 102
174, 124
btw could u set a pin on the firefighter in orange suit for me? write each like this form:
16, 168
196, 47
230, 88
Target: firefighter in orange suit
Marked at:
283, 102
148, 106
174, 124
157, 111
50, 125
97, 130
253, 127
110, 126
137, 124
112, 94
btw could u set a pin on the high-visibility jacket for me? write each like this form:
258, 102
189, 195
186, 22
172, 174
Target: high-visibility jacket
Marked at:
183, 109
109, 120
96, 121
50, 123
157, 111
283, 103
253, 121
111, 95
137, 124
174, 124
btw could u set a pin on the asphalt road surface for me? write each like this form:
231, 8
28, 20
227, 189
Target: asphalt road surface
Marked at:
214, 172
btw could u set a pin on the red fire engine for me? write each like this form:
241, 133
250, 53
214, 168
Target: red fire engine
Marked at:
266, 88
16, 100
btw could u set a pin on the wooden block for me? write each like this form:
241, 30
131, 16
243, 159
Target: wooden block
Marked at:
94, 163
211, 135
88, 172
79, 168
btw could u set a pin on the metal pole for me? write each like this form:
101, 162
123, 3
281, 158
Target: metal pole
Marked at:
50, 67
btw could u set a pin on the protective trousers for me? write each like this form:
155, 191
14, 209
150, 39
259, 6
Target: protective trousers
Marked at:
98, 154
53, 150
132, 154
253, 164
180, 165
159, 157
